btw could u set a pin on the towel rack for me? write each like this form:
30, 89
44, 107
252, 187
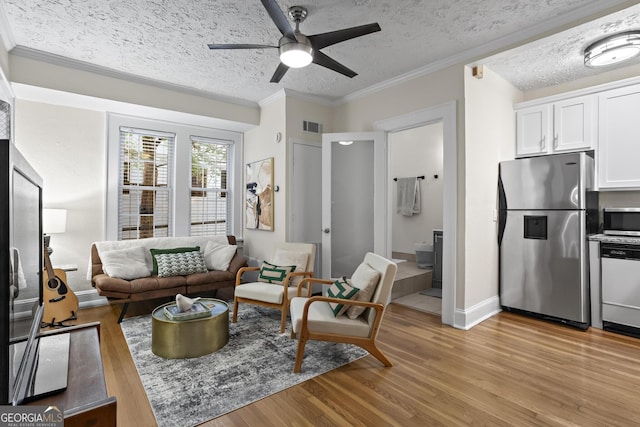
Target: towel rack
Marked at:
419, 177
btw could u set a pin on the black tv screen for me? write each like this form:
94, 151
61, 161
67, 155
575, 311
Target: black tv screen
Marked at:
21, 263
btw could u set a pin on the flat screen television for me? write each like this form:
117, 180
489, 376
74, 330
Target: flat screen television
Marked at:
21, 263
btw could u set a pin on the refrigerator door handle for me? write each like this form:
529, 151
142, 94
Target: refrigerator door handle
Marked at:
502, 211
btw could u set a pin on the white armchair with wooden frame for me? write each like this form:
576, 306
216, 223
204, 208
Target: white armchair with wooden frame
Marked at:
341, 319
278, 279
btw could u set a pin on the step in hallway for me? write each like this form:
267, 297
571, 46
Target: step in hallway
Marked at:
410, 287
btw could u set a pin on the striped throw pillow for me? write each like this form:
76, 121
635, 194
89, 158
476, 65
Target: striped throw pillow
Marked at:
271, 273
341, 289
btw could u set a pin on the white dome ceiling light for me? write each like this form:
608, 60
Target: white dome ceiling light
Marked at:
613, 49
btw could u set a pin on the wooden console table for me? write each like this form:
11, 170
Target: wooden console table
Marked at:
85, 401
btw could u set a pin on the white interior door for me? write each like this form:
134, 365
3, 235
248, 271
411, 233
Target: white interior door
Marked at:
305, 204
353, 200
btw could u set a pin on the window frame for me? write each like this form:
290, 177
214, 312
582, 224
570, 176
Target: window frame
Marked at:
226, 191
180, 210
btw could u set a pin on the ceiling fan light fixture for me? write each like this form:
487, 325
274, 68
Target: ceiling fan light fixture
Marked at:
613, 49
296, 54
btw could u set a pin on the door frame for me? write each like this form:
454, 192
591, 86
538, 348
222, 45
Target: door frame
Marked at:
445, 113
380, 198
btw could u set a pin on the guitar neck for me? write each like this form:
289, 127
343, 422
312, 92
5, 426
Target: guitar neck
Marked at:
47, 263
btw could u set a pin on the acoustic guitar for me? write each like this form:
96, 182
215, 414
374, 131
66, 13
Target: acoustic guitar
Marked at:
60, 303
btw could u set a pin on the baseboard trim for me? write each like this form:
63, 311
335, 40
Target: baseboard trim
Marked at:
467, 319
86, 299
90, 298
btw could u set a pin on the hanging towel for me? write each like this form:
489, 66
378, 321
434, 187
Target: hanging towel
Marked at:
408, 196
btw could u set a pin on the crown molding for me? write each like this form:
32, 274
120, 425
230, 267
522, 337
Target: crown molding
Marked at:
272, 98
509, 41
62, 61
289, 93
56, 97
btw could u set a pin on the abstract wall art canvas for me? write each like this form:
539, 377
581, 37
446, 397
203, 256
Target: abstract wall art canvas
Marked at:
259, 195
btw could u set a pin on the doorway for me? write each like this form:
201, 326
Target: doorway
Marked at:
416, 160
445, 113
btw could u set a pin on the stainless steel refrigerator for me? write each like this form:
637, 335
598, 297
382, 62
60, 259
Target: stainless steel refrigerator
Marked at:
547, 207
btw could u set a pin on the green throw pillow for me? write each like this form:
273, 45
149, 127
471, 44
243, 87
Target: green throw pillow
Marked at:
341, 289
180, 264
272, 273
156, 252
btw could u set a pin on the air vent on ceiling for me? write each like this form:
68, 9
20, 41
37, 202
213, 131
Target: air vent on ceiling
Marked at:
311, 127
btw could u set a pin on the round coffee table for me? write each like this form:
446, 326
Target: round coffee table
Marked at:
179, 339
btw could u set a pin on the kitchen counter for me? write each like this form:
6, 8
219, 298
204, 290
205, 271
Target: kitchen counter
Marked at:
608, 238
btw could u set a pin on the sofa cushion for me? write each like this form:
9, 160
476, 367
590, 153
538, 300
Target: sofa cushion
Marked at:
217, 256
366, 280
179, 263
210, 277
127, 263
145, 284
156, 252
343, 290
275, 274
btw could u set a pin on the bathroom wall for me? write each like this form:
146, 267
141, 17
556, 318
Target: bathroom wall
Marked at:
416, 152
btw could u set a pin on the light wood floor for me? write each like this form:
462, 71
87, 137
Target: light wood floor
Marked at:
509, 370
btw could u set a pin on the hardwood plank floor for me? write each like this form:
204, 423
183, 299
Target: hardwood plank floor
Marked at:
508, 370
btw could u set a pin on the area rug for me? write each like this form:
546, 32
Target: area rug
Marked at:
257, 362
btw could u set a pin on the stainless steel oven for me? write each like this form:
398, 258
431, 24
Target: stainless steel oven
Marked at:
621, 221
620, 269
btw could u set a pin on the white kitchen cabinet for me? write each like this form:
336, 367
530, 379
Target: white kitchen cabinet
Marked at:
619, 138
533, 127
562, 126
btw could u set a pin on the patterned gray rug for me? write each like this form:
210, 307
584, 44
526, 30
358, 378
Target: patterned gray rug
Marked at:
257, 362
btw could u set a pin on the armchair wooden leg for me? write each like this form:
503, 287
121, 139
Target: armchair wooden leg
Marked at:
234, 319
373, 349
283, 321
299, 354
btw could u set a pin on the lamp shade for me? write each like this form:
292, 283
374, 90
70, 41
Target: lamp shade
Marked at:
613, 49
54, 221
296, 53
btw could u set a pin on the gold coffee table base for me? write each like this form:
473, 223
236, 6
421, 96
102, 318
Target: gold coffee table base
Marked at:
181, 339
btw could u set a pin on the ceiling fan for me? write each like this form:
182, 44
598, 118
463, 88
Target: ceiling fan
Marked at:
298, 50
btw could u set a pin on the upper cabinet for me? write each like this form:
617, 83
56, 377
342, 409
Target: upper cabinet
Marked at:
560, 126
618, 148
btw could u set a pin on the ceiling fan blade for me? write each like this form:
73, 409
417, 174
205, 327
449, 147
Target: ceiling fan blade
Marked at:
322, 59
280, 71
279, 18
239, 46
318, 41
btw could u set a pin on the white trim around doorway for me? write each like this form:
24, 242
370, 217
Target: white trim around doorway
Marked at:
445, 113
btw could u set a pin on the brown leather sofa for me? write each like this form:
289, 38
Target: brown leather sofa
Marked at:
121, 291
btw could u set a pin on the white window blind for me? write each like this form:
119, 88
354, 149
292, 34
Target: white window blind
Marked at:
210, 197
144, 199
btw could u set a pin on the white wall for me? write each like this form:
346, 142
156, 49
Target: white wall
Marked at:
490, 138
416, 152
67, 148
260, 143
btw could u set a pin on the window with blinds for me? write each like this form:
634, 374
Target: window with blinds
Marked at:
210, 199
146, 159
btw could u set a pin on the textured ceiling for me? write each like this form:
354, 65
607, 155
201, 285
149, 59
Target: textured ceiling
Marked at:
559, 58
166, 40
